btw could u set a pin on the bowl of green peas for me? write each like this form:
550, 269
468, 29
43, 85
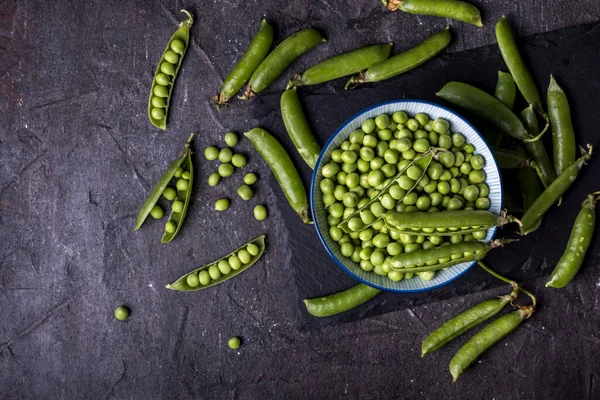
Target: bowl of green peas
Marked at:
400, 156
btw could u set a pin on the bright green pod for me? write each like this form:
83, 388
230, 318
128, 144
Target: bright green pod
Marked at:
342, 65
326, 306
453, 9
563, 135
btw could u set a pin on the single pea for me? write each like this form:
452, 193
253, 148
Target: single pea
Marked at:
366, 234
459, 158
484, 190
366, 265
336, 155
366, 153
234, 343
356, 255
375, 177
185, 175
410, 247
177, 206
238, 160
454, 185
388, 201
224, 267
477, 162
454, 171
469, 148
423, 203
465, 168
335, 233
345, 145
211, 153
377, 209
393, 126
445, 201
350, 199
163, 80
400, 117
204, 277
447, 159
327, 186
427, 245
385, 134
405, 133
403, 144
427, 275
171, 56
468, 237
332, 221
436, 240
341, 177
389, 171
157, 212
422, 119
352, 180
381, 240
395, 276
443, 187
161, 91
471, 193
170, 227
482, 203
225, 170
378, 225
446, 176
410, 199
436, 199
359, 191
430, 187
421, 145
214, 272
225, 155
157, 113
412, 124
454, 204
365, 253
328, 199
169, 193
346, 249
445, 142
234, 262
364, 181
377, 258
458, 140
477, 176
479, 235
357, 136
368, 125
167, 68
440, 125
231, 139
159, 102
370, 141
177, 46
349, 157
121, 313
330, 170
260, 212
245, 192
376, 163
382, 121
456, 238
222, 205
386, 266
396, 192
420, 134
405, 182
414, 172
433, 138
394, 248
339, 192
362, 165
244, 256
182, 185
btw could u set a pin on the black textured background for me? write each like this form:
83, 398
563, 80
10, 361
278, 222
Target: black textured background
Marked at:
78, 156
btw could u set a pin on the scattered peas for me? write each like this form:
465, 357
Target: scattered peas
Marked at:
121, 313
250, 178
260, 212
225, 170
238, 160
245, 192
221, 205
157, 212
225, 155
234, 343
231, 139
211, 153
214, 179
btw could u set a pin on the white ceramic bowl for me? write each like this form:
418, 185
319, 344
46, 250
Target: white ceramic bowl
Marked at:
412, 107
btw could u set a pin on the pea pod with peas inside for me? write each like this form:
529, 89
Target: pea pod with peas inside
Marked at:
162, 188
257, 51
280, 58
563, 136
342, 65
182, 200
222, 269
453, 9
337, 303
284, 170
577, 246
403, 62
166, 73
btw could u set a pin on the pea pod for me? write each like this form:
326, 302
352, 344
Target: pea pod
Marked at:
298, 129
464, 322
280, 58
257, 51
529, 183
183, 283
403, 62
536, 149
577, 246
161, 185
178, 216
457, 253
337, 303
166, 73
284, 170
553, 193
505, 89
563, 136
413, 223
453, 9
486, 338
342, 65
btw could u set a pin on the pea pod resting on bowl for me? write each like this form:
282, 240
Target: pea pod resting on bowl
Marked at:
453, 9
222, 269
337, 303
284, 170
166, 73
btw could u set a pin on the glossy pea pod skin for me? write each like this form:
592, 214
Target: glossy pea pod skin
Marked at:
536, 149
516, 65
453, 9
552, 194
182, 285
403, 62
506, 91
257, 51
577, 246
297, 127
464, 322
161, 185
280, 58
166, 74
184, 196
284, 170
563, 135
337, 303
412, 223
342, 65
486, 338
486, 106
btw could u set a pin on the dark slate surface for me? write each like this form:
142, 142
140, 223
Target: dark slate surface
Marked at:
78, 157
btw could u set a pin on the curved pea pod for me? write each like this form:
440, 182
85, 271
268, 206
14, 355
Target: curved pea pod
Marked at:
257, 51
423, 162
403, 62
486, 106
161, 185
166, 74
458, 253
298, 129
453, 9
536, 149
505, 90
553, 193
182, 285
413, 223
577, 246
563, 136
464, 322
337, 303
284, 170
280, 58
342, 65
486, 338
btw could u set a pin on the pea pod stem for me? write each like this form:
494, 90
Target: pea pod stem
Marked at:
458, 10
337, 303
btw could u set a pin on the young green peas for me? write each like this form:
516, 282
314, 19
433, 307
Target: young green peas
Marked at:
382, 121
330, 170
169, 193
251, 178
421, 145
336, 155
482, 203
412, 125
346, 249
345, 144
204, 277
170, 227
225, 155
121, 313
440, 125
352, 180
366, 265
350, 199
244, 256
370, 141
225, 170
368, 125
403, 144
245, 192
157, 212
234, 262
400, 117
469, 148
421, 134
211, 153
366, 153
349, 157
447, 159
177, 206
238, 160
224, 267
231, 139
458, 140
465, 168
328, 199
222, 205
260, 212
341, 177
476, 176
385, 134
423, 203
377, 258
339, 192
357, 136
234, 343
477, 162
445, 142
422, 119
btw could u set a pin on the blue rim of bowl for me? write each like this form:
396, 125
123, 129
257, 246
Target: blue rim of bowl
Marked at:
314, 177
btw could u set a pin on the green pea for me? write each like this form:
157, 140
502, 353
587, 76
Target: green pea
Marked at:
222, 205
159, 102
423, 203
389, 170
404, 144
482, 203
484, 190
394, 248
214, 272
260, 212
445, 142
346, 249
341, 177
121, 313
366, 234
157, 212
244, 256
234, 262
477, 162
382, 121
362, 165
349, 168
337, 210
177, 46
359, 191
224, 267
238, 160
422, 119
391, 156
454, 185
377, 258
336, 155
479, 235
365, 253
477, 176
177, 206
412, 124
435, 170
225, 155
421, 145
335, 233
169, 193
440, 125
185, 175
332, 221
345, 145
326, 185
328, 199
356, 255
350, 199
376, 163
167, 68
445, 201
433, 138
388, 201
245, 192
163, 80
368, 125
375, 177
469, 148
395, 276
329, 170
436, 199
161, 91
377, 209
459, 158
420, 134
458, 140
405, 133
211, 153
225, 170
465, 168
431, 187
396, 192
423, 182
407, 239
410, 247
234, 343
378, 225
370, 141
182, 185
409, 154
349, 156
357, 136
410, 199
366, 265
446, 176
447, 159
157, 113
436, 240
427, 275
381, 240
456, 238
471, 193
171, 56
170, 227
366, 153
231, 139
204, 277
443, 187
400, 117
454, 204
385, 134
352, 180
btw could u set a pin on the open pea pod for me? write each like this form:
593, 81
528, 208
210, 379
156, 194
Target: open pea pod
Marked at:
161, 185
423, 162
443, 222
184, 196
182, 284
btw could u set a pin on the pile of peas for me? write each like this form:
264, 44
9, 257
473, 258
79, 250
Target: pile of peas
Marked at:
371, 158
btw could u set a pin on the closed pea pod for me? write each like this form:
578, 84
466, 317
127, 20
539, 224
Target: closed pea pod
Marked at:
280, 58
563, 136
453, 9
486, 338
327, 306
166, 73
298, 129
536, 149
217, 277
284, 170
506, 90
342, 65
405, 61
577, 246
257, 51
